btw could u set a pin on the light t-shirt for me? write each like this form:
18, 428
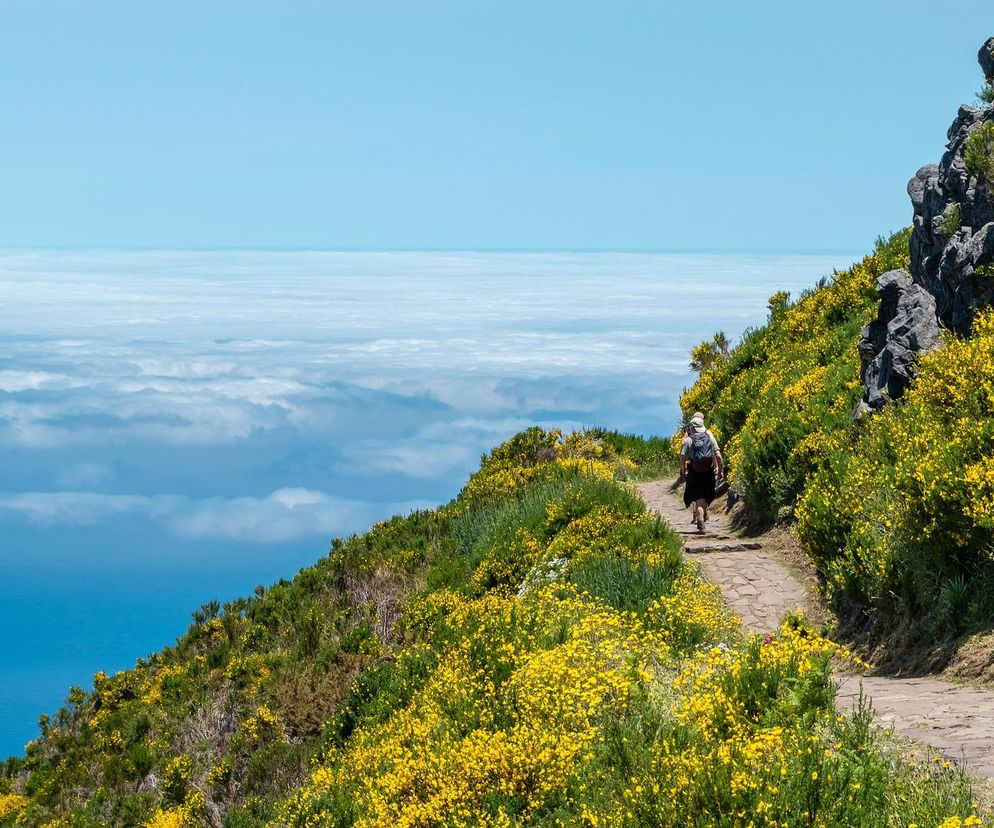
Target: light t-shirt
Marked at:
687, 443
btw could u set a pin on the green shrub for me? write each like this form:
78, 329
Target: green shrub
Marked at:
625, 586
952, 219
376, 693
652, 456
979, 151
133, 809
254, 813
276, 768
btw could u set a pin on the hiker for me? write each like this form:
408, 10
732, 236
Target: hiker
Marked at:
701, 465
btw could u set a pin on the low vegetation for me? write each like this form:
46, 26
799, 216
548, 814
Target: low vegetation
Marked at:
534, 653
979, 151
952, 218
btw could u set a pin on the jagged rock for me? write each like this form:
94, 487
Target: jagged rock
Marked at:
905, 325
986, 57
215, 816
952, 262
150, 783
954, 211
924, 181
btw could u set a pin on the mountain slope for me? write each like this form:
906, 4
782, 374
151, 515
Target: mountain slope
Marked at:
535, 652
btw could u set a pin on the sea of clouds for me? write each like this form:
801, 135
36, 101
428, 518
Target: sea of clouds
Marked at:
177, 426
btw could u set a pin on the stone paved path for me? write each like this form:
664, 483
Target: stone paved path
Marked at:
756, 588
956, 720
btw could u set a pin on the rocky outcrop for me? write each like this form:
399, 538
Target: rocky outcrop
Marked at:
953, 233
906, 324
986, 58
952, 259
953, 237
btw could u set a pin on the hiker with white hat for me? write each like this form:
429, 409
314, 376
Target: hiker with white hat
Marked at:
701, 465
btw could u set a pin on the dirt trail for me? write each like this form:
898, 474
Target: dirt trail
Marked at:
956, 720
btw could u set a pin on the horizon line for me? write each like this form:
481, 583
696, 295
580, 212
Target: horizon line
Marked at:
454, 250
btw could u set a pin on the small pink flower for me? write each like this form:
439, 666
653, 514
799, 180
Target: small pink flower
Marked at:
767, 639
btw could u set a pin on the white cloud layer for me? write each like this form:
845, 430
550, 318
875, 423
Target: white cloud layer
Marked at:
283, 515
142, 384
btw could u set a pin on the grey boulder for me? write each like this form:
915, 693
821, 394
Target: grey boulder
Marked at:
905, 325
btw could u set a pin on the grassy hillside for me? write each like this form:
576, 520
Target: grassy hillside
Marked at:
533, 653
897, 510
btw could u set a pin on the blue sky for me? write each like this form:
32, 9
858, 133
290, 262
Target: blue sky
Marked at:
466, 125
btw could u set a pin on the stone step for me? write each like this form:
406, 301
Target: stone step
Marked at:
706, 546
708, 535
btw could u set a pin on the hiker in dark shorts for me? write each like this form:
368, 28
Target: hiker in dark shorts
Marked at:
701, 465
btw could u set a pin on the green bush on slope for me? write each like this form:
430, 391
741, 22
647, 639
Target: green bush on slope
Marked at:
979, 151
902, 520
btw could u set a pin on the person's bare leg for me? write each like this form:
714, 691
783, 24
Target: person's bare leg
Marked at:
699, 514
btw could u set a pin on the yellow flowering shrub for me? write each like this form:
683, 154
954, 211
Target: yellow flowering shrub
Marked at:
11, 804
151, 690
512, 711
187, 815
169, 818
909, 504
537, 452
958, 822
754, 740
692, 613
264, 724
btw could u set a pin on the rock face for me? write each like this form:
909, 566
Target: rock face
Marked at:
952, 260
906, 324
986, 58
954, 228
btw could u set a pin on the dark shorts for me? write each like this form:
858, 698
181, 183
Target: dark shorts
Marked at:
700, 485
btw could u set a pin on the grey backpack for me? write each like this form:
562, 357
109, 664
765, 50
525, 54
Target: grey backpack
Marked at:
701, 452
